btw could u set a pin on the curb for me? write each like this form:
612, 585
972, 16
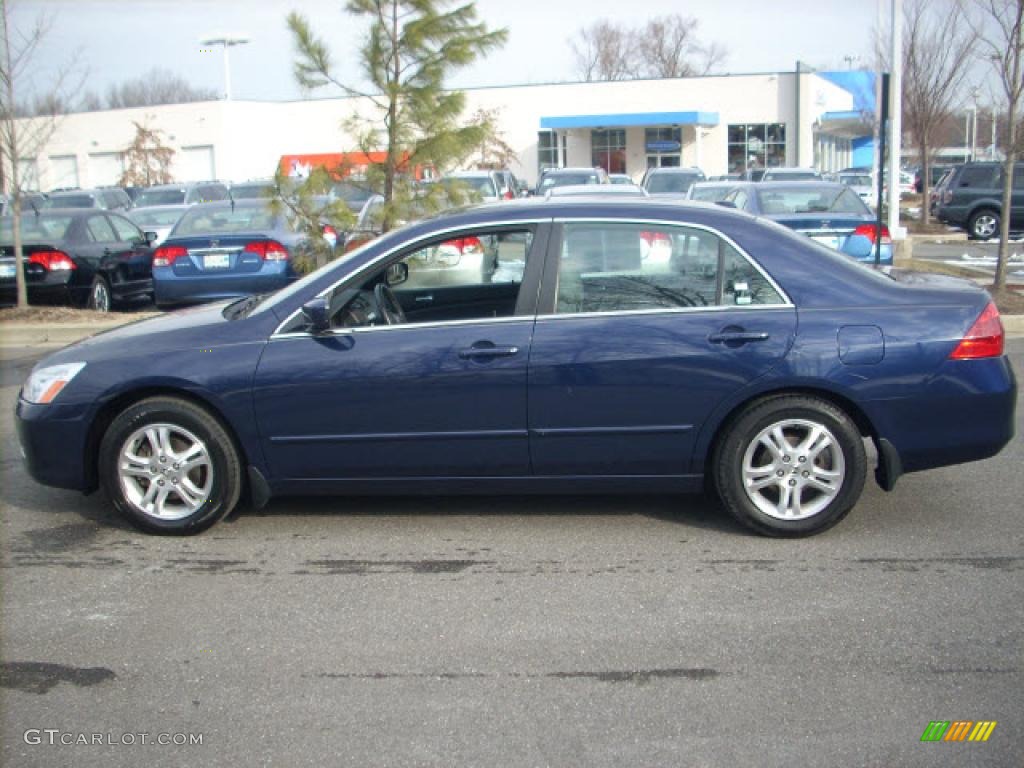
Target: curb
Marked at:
945, 237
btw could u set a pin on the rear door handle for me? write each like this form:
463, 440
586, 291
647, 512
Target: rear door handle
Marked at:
736, 336
424, 299
483, 353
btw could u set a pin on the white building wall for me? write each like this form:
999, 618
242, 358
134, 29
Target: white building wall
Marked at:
248, 137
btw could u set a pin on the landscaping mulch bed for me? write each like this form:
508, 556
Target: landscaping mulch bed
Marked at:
31, 315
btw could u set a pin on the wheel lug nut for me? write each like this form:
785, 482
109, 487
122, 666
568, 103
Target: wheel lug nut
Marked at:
780, 473
163, 459
160, 483
807, 474
792, 482
803, 459
176, 466
785, 458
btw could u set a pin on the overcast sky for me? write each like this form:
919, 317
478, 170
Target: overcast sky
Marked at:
120, 39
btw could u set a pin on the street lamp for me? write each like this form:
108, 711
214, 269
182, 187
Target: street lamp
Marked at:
227, 41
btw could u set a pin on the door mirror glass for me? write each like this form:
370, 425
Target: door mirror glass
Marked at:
151, 237
397, 273
315, 311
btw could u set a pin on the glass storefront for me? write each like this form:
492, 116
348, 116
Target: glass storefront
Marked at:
755, 146
608, 149
547, 150
663, 146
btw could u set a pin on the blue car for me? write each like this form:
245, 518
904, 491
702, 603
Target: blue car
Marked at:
829, 213
226, 249
539, 346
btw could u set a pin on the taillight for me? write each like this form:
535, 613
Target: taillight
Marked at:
268, 250
465, 244
508, 194
54, 261
166, 255
330, 235
947, 196
984, 339
869, 231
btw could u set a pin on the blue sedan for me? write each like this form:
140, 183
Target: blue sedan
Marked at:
829, 213
558, 345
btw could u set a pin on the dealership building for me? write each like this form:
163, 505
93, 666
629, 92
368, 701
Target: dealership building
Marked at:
721, 124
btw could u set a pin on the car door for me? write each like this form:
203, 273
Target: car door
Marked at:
99, 245
443, 395
644, 329
133, 260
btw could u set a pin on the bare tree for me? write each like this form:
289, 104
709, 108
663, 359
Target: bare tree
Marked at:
158, 86
938, 46
999, 25
22, 139
666, 46
604, 51
147, 159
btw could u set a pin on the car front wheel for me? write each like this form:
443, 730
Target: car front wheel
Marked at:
790, 466
169, 466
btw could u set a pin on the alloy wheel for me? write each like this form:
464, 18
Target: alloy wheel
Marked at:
165, 471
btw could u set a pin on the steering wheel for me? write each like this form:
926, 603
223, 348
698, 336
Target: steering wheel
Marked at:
387, 304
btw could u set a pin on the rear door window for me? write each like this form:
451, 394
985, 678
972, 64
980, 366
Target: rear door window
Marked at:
126, 231
978, 177
99, 230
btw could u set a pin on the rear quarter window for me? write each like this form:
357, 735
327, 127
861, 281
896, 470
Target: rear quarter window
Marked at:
978, 177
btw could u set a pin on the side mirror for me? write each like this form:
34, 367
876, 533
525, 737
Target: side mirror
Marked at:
316, 313
397, 273
725, 203
151, 237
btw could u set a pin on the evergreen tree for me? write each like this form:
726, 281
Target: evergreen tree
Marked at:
411, 47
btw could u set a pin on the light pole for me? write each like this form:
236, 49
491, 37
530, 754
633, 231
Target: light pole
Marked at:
975, 93
896, 118
227, 41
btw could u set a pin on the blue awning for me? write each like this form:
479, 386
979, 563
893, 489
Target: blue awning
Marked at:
628, 119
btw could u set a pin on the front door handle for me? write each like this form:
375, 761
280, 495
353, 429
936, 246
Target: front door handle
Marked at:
736, 337
485, 353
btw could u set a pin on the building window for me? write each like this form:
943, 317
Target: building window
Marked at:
547, 150
663, 146
608, 149
756, 146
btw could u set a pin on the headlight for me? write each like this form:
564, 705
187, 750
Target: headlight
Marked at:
46, 383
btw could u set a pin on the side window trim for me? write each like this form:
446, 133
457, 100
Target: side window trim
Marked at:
546, 306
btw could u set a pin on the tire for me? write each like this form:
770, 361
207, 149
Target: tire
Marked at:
164, 496
100, 298
983, 225
817, 487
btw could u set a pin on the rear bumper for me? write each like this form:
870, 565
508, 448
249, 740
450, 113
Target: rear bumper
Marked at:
52, 439
966, 413
172, 289
55, 288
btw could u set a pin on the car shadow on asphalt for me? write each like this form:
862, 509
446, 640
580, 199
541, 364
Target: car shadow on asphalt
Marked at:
697, 511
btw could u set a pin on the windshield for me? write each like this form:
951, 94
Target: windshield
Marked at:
69, 201
156, 218
222, 220
709, 194
810, 199
670, 182
44, 227
479, 185
160, 197
252, 191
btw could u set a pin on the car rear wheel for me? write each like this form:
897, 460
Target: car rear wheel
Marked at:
790, 466
983, 225
99, 295
169, 466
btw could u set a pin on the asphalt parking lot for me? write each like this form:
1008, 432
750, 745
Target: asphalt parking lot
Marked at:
547, 631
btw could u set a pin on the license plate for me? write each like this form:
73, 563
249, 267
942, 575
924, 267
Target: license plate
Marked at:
6, 270
216, 261
830, 240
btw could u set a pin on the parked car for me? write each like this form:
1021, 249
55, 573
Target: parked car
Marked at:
638, 376
790, 174
182, 194
863, 184
831, 214
159, 219
670, 181
105, 199
710, 191
559, 177
225, 250
30, 201
79, 256
972, 199
601, 190
354, 191
937, 172
621, 178
485, 186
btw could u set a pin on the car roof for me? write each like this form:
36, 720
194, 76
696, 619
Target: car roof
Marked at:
674, 169
581, 169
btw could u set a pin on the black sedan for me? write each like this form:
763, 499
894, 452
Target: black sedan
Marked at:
85, 257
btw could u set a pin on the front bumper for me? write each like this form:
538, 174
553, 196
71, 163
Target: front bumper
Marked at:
53, 443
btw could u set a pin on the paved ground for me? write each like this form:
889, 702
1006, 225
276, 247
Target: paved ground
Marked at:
524, 632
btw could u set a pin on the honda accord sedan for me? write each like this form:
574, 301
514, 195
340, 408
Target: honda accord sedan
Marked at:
593, 345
